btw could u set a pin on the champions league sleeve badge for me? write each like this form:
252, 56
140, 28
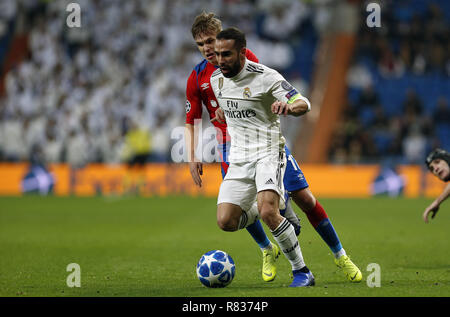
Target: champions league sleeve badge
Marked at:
286, 86
188, 106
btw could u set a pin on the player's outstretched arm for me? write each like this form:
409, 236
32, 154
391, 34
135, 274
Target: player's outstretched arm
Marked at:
433, 208
196, 168
297, 108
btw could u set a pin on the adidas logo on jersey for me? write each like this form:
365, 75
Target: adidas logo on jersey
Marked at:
205, 86
270, 182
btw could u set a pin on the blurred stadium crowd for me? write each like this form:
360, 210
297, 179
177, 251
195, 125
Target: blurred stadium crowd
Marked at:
398, 87
115, 87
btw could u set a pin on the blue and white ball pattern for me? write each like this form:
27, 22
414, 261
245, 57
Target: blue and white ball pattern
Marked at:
216, 269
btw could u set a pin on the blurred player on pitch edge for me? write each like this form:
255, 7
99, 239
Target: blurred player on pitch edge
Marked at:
438, 162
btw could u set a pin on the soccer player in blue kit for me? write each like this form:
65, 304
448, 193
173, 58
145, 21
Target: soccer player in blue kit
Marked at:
199, 94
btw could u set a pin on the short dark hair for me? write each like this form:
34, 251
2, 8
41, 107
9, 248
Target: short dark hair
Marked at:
437, 154
235, 34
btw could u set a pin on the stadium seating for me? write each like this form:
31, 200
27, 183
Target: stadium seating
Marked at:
392, 89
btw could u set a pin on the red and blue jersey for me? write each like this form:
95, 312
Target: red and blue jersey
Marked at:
199, 93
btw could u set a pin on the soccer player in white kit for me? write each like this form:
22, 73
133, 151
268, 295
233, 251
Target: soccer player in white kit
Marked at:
251, 97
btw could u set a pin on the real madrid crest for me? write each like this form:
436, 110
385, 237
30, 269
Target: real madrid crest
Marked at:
247, 94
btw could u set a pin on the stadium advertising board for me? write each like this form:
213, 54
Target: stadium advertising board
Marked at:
175, 179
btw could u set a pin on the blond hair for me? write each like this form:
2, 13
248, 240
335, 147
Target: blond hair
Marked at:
206, 23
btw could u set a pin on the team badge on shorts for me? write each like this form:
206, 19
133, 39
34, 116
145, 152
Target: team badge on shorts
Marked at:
247, 94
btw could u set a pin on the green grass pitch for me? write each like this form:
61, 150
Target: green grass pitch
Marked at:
135, 246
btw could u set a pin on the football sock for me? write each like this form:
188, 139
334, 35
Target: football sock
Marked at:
339, 253
302, 270
291, 216
256, 230
319, 219
285, 236
254, 226
268, 247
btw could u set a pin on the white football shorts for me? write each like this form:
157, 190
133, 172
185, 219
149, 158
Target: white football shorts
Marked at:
244, 180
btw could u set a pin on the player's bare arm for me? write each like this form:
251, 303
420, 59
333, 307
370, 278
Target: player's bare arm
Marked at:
220, 116
433, 208
297, 108
195, 167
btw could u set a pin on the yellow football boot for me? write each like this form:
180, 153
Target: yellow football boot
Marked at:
349, 268
269, 270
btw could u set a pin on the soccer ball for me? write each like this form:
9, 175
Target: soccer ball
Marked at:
215, 269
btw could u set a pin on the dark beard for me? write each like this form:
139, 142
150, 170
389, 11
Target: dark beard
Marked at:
234, 70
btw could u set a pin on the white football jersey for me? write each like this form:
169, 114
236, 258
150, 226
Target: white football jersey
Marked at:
246, 100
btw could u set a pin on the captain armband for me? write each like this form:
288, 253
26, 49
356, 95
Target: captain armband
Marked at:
299, 96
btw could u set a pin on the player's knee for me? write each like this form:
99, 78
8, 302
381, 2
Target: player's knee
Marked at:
227, 223
304, 199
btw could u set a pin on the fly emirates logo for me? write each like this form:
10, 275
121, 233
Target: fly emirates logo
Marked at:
234, 113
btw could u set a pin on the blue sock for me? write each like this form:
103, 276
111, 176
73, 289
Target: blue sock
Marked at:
256, 230
329, 235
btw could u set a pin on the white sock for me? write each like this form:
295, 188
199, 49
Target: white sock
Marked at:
249, 217
285, 236
340, 253
268, 247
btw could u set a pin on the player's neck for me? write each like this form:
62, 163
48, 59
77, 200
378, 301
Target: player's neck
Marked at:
241, 69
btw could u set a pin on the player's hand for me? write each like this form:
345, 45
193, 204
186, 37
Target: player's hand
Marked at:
220, 116
433, 209
279, 107
196, 169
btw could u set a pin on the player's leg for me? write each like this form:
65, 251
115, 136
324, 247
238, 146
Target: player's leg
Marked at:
255, 229
270, 193
318, 219
322, 224
284, 234
233, 191
295, 182
233, 218
290, 214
